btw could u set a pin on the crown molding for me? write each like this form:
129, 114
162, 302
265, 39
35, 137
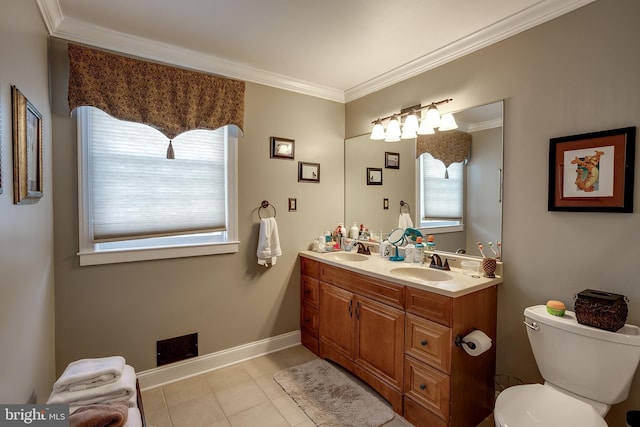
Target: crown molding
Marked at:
76, 31
536, 14
51, 13
476, 127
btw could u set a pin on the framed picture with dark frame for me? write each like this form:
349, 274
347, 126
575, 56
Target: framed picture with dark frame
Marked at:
308, 172
282, 148
27, 149
391, 160
592, 172
374, 176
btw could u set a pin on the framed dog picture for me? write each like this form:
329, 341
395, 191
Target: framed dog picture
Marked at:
592, 172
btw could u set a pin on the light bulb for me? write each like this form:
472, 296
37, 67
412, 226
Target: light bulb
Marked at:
448, 122
425, 129
411, 123
433, 117
377, 133
393, 129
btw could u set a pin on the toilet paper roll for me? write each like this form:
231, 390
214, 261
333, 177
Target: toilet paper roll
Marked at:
481, 341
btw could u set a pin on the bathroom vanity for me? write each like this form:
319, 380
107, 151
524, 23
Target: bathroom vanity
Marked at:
394, 326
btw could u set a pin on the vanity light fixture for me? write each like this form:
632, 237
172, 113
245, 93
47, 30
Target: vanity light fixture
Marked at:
413, 124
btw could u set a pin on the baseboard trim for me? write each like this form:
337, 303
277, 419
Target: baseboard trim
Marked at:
162, 375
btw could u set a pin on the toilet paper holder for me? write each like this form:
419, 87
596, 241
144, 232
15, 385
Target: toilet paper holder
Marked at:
459, 341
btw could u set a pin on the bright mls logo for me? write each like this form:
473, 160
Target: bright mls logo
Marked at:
34, 415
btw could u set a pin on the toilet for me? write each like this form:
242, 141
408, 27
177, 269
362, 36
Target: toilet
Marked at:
586, 370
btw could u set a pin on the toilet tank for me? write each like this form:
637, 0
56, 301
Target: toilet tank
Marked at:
587, 361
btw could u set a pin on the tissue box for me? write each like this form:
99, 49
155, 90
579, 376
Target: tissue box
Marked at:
600, 309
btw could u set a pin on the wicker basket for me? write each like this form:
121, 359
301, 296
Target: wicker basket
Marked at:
602, 310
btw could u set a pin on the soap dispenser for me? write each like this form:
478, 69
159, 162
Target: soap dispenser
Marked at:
409, 252
353, 232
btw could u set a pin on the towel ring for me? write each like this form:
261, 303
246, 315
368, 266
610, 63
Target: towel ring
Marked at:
405, 204
264, 205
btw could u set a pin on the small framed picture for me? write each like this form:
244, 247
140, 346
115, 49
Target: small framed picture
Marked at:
308, 172
374, 176
391, 160
27, 150
282, 148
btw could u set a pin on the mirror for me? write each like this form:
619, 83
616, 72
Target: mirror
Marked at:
378, 205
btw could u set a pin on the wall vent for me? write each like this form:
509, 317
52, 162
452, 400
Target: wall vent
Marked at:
176, 349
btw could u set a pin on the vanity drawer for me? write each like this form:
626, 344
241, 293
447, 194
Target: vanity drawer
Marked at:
427, 386
428, 342
335, 276
379, 290
429, 305
376, 289
309, 291
309, 267
309, 319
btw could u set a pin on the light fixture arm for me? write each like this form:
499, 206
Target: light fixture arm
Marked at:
414, 109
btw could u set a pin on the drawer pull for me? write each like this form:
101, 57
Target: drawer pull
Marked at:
423, 343
423, 386
307, 320
307, 291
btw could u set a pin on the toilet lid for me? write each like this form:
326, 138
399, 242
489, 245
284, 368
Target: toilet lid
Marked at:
535, 405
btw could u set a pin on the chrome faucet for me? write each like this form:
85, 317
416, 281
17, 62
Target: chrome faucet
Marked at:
436, 262
362, 248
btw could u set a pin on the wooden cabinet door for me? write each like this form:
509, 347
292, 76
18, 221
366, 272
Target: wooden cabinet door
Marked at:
336, 325
379, 344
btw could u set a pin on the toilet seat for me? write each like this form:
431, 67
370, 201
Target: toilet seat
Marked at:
535, 405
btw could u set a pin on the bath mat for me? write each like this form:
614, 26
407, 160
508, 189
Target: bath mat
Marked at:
330, 398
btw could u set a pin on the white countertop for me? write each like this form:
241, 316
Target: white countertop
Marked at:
376, 266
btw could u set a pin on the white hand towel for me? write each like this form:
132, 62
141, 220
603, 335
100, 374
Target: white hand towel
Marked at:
122, 389
88, 373
268, 242
404, 221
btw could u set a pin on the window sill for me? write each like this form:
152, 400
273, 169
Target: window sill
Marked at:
133, 255
441, 230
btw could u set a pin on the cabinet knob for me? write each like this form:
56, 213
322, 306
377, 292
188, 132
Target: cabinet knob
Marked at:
307, 291
423, 343
423, 386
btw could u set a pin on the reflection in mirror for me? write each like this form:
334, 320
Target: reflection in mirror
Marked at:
482, 210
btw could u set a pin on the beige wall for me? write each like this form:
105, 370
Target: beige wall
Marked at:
228, 299
575, 74
26, 231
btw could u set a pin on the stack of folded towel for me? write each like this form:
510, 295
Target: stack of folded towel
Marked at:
99, 392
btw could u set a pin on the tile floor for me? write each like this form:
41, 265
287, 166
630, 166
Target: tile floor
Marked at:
240, 395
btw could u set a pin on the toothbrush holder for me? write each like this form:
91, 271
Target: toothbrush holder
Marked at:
489, 267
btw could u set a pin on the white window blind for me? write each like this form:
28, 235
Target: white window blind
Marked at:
441, 198
136, 192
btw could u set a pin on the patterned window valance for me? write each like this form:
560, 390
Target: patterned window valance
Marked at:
449, 147
172, 100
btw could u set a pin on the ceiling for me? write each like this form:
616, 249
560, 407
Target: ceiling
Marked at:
335, 49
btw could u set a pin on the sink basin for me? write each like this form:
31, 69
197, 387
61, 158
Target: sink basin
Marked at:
347, 256
425, 274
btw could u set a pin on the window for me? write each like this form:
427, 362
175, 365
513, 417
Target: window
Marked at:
441, 197
135, 204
